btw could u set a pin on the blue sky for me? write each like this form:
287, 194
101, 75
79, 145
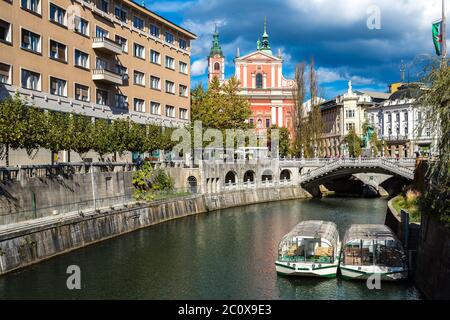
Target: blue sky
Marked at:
334, 32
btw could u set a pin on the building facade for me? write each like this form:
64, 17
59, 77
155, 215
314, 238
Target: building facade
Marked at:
101, 58
342, 114
260, 74
402, 125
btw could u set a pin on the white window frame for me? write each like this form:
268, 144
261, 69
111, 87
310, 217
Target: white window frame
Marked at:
50, 86
134, 78
171, 36
50, 18
159, 82
185, 111
173, 86
185, 43
39, 8
96, 95
124, 10
167, 65
75, 92
49, 51
152, 25
126, 42
39, 80
158, 107
180, 63
134, 104
139, 18
134, 51
10, 73
9, 33
170, 114
158, 55
80, 19
39, 42
75, 59
184, 92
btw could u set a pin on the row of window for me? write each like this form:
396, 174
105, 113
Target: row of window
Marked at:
59, 16
32, 41
58, 87
259, 123
121, 13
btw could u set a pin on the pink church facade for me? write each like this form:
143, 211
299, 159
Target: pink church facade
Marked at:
260, 74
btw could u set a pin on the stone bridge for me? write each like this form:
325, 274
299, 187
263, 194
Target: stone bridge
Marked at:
216, 176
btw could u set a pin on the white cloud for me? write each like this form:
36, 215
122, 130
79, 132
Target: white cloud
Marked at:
326, 75
199, 67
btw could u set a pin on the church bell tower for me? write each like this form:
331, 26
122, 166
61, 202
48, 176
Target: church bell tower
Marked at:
216, 60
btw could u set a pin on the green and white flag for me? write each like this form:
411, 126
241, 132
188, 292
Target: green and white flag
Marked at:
437, 37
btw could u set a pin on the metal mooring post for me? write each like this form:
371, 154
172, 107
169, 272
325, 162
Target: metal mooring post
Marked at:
404, 216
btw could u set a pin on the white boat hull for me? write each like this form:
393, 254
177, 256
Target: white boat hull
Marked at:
364, 272
328, 270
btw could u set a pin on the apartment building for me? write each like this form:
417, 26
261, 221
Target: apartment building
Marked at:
101, 58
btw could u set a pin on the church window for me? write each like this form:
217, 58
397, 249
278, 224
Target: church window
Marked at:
259, 80
216, 66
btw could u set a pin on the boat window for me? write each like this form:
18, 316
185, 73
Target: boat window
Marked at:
389, 253
352, 253
367, 253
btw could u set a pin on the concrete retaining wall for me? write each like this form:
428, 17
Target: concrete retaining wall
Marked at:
38, 242
54, 194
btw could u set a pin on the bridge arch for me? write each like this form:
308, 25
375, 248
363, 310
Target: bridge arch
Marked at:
249, 175
267, 175
285, 174
230, 177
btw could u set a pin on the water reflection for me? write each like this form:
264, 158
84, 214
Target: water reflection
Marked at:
222, 255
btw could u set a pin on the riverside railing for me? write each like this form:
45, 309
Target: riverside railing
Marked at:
88, 206
61, 169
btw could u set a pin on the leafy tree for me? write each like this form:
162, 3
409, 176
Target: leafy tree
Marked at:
58, 135
148, 180
12, 125
354, 143
102, 142
82, 134
436, 197
220, 106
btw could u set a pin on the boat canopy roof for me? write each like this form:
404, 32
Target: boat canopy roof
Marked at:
369, 232
315, 229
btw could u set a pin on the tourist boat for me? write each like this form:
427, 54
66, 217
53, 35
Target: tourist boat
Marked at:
312, 248
370, 249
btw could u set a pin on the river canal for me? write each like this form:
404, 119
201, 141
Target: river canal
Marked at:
220, 255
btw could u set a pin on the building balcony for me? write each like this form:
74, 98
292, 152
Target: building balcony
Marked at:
107, 76
106, 45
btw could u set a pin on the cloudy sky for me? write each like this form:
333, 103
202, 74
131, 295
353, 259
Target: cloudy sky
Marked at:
334, 32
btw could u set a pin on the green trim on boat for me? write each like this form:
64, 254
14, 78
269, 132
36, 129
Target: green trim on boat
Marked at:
381, 273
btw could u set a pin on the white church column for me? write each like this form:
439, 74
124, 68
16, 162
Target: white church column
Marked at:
280, 116
274, 115
237, 73
279, 76
244, 82
272, 76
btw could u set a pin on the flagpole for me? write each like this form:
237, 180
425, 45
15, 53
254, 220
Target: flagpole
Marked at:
444, 41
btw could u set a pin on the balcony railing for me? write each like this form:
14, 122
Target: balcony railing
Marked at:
107, 76
106, 45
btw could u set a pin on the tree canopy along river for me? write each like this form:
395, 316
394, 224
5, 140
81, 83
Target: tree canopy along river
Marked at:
228, 254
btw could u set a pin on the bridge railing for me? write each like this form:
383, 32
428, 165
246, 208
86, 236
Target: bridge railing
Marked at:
387, 164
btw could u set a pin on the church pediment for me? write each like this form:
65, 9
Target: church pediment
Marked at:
258, 56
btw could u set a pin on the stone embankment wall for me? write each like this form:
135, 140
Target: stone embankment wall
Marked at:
36, 197
40, 241
432, 274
